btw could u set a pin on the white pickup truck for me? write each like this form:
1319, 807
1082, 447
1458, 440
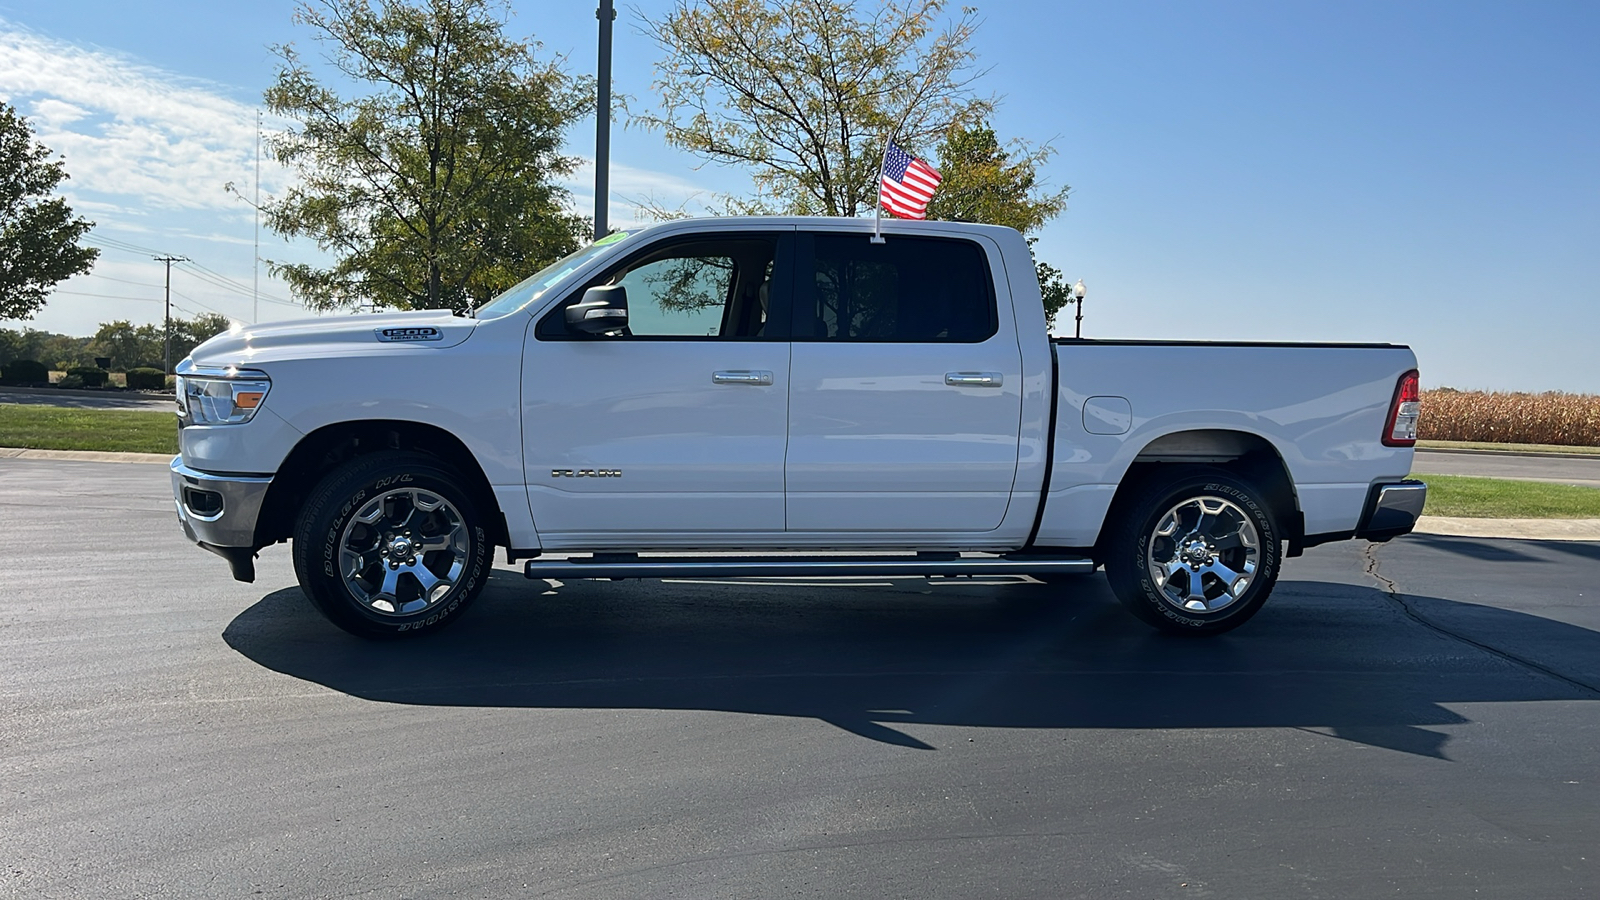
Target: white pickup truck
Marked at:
782, 396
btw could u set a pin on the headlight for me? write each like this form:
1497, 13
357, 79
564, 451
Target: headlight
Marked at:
207, 400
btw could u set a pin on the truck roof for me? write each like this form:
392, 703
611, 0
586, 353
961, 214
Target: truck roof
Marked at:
829, 223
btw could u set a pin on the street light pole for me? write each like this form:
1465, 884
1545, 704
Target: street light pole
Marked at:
1077, 297
602, 128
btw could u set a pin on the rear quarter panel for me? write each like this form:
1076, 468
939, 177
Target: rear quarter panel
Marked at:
1322, 407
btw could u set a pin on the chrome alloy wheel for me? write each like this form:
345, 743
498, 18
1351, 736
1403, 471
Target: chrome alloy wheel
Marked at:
403, 551
1203, 554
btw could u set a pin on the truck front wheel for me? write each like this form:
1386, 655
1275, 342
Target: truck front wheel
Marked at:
390, 545
1195, 552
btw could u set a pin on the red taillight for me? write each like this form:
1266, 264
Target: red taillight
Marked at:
1401, 429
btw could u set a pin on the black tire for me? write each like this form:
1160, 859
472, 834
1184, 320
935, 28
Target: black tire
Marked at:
424, 528
1235, 582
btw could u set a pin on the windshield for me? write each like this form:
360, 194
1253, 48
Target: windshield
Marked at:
534, 286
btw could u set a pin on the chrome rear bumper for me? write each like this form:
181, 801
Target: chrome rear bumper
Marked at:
1392, 510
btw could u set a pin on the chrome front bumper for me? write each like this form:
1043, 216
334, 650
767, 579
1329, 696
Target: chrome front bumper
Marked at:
218, 511
1392, 510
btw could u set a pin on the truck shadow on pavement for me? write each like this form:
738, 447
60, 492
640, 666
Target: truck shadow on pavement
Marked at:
1338, 659
1506, 551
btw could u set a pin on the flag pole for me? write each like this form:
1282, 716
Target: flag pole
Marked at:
877, 202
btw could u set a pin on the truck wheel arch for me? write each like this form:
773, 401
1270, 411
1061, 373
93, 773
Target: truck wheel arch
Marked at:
1247, 456
330, 446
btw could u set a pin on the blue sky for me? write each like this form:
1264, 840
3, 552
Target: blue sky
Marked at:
1426, 173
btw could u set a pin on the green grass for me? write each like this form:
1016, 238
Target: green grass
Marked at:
1509, 448
56, 428
1497, 498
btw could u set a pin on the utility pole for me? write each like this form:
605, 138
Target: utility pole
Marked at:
602, 129
169, 260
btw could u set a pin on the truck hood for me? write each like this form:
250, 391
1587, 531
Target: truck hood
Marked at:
333, 336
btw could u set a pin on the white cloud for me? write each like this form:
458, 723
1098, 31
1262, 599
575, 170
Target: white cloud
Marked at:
632, 188
94, 208
52, 113
130, 130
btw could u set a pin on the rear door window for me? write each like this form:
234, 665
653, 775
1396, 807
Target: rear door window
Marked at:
907, 290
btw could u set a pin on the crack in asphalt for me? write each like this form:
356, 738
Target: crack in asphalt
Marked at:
1394, 593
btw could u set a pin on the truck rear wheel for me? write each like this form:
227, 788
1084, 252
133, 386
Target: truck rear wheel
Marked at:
1194, 552
390, 545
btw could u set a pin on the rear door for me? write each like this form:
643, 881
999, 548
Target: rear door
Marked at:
673, 430
906, 387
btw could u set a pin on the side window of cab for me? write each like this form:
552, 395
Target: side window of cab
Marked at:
910, 289
702, 288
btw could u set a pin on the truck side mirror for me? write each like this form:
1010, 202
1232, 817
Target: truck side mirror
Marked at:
603, 308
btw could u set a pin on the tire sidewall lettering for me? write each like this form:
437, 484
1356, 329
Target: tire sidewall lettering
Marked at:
335, 502
1146, 535
330, 544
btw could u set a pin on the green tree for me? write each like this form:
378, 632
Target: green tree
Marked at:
56, 351
1053, 288
128, 345
62, 351
38, 234
15, 345
805, 92
437, 188
188, 334
985, 182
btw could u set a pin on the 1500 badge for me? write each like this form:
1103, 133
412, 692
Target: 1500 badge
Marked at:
412, 333
585, 473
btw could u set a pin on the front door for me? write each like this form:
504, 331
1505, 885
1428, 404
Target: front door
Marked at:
906, 399
670, 431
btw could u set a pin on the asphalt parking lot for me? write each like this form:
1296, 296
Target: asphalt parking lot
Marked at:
1418, 719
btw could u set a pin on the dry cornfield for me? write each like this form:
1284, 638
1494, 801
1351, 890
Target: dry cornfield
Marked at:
1551, 418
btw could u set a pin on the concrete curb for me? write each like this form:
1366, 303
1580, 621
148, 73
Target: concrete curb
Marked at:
111, 456
1522, 529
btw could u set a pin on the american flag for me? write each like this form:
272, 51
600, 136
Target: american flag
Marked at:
907, 184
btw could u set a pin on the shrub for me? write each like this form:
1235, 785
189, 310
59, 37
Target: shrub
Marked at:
146, 379
24, 371
70, 381
1507, 418
89, 375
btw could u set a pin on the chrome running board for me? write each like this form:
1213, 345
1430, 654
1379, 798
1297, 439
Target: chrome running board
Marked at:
628, 565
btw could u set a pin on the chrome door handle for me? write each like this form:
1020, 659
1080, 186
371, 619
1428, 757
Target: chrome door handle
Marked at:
974, 379
742, 376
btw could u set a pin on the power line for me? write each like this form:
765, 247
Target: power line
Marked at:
115, 244
107, 296
201, 305
123, 280
211, 277
217, 279
220, 286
